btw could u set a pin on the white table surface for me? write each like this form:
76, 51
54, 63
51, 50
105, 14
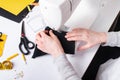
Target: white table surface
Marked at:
97, 15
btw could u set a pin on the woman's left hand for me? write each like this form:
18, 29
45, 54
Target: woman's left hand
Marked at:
49, 43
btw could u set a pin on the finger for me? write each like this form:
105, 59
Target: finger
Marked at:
52, 34
46, 31
71, 34
76, 29
77, 38
76, 32
74, 38
44, 36
83, 47
38, 36
41, 36
42, 33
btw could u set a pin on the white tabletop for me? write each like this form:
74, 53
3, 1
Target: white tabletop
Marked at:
43, 68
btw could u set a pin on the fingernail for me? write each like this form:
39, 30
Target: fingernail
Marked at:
68, 39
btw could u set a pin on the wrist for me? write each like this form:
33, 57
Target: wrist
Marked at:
59, 51
103, 37
57, 55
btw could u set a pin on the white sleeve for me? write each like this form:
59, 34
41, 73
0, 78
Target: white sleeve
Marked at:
65, 68
113, 39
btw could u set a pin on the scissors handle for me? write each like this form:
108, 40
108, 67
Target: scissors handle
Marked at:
29, 44
23, 46
1, 36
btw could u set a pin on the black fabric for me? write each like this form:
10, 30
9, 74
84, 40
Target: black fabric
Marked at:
68, 46
13, 17
102, 55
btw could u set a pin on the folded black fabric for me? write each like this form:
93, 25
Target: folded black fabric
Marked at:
68, 46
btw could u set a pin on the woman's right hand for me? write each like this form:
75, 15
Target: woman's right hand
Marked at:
90, 37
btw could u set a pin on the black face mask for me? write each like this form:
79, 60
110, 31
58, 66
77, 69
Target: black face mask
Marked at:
68, 46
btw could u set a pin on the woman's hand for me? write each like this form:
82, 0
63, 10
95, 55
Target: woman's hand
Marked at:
90, 37
49, 44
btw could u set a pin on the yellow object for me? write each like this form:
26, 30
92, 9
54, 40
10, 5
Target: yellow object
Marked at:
28, 7
11, 57
23, 57
7, 65
2, 43
14, 6
1, 66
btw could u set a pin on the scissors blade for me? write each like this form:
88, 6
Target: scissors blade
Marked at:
23, 31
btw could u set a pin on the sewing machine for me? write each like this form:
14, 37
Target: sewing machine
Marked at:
64, 14
57, 12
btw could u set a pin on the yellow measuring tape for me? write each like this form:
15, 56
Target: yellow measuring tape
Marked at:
7, 64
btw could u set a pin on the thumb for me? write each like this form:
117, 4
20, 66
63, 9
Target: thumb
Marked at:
83, 47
